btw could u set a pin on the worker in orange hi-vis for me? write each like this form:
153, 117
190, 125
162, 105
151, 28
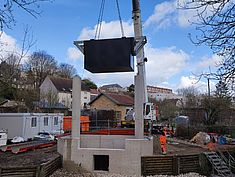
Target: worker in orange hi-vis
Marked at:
163, 143
211, 144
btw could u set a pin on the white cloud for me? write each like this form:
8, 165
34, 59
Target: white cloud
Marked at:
164, 63
192, 81
74, 54
169, 13
108, 30
8, 44
164, 14
212, 61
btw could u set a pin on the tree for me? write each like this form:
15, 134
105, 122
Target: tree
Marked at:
131, 88
66, 70
216, 25
213, 105
190, 98
41, 64
7, 8
167, 109
90, 83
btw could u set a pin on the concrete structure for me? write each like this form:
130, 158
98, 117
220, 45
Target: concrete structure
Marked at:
27, 125
56, 89
120, 103
122, 154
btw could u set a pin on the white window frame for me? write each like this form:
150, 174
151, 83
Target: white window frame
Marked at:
56, 120
46, 121
34, 122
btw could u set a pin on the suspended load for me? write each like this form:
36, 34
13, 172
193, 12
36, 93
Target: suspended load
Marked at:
109, 55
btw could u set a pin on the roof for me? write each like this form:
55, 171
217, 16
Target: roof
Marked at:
94, 91
119, 99
65, 84
110, 86
47, 105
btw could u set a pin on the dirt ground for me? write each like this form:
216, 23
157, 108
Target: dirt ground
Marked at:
34, 157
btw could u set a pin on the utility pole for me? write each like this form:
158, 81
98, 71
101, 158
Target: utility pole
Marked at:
140, 78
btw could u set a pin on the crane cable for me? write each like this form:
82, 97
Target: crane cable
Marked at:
100, 19
120, 18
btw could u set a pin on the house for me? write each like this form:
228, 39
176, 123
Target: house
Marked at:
160, 93
111, 88
59, 90
94, 93
120, 103
27, 125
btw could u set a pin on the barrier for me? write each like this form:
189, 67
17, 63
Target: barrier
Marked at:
169, 165
42, 170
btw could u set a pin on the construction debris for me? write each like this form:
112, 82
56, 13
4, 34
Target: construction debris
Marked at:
201, 138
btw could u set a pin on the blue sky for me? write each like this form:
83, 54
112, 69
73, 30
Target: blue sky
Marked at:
172, 58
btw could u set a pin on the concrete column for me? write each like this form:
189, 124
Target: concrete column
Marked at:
76, 107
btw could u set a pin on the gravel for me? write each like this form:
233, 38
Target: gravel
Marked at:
65, 173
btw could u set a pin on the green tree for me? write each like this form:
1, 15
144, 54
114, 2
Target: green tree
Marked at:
90, 83
167, 109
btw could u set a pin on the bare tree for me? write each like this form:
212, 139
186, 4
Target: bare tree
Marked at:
7, 8
190, 98
41, 64
216, 24
66, 70
11, 63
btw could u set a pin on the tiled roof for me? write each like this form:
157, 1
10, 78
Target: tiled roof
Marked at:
65, 84
119, 99
110, 86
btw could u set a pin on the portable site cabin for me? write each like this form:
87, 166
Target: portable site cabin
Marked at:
27, 125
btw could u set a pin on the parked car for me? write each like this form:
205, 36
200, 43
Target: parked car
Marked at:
44, 136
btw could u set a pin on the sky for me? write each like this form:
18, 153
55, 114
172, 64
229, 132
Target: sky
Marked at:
173, 60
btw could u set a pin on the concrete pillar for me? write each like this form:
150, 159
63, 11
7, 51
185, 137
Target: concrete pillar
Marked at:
76, 108
139, 120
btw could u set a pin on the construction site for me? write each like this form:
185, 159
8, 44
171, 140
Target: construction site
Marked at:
96, 143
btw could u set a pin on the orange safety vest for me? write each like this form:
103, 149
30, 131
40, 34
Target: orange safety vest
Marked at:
163, 144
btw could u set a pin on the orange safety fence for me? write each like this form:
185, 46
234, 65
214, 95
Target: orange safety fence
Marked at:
84, 123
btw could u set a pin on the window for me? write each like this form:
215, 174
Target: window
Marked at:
45, 121
34, 122
56, 122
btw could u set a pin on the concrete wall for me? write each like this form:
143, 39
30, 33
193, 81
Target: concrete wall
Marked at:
121, 161
104, 141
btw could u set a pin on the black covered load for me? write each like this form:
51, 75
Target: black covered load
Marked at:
109, 55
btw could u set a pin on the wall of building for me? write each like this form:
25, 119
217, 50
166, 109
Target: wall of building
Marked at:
106, 104
46, 87
20, 124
